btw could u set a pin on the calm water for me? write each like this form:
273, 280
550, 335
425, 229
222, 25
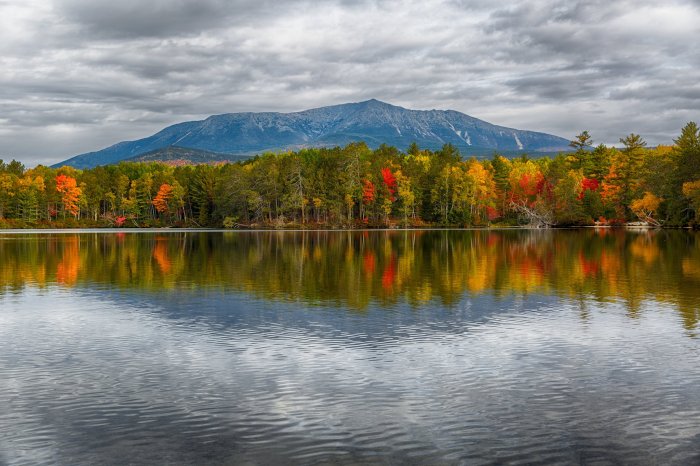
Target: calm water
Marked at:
442, 347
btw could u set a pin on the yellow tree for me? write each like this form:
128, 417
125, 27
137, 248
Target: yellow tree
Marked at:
462, 193
29, 189
7, 191
484, 191
349, 202
691, 190
441, 193
179, 200
318, 202
646, 207
406, 195
568, 208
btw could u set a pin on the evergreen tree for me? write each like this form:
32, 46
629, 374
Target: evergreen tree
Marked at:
581, 144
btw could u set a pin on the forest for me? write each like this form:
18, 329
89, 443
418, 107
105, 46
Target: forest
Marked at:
355, 186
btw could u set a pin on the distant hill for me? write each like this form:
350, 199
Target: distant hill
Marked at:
372, 121
184, 155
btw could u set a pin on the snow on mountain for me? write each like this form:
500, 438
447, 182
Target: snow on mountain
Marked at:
372, 121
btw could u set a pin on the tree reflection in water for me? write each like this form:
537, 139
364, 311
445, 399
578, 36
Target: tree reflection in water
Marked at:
355, 268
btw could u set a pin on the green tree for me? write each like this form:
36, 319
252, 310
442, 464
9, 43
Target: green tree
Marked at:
581, 145
630, 165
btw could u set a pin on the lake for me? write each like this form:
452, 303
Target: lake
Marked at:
361, 347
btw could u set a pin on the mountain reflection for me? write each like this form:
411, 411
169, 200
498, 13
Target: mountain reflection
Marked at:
356, 268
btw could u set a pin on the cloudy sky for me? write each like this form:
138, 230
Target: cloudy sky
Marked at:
80, 75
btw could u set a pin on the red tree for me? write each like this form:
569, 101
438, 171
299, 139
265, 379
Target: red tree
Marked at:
389, 182
588, 184
368, 192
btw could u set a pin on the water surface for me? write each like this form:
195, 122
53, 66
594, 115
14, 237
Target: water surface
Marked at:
399, 347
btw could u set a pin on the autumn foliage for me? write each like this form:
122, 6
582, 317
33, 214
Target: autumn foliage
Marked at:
588, 184
358, 186
165, 194
70, 193
390, 183
368, 192
646, 207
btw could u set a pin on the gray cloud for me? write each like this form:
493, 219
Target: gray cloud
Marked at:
126, 19
79, 75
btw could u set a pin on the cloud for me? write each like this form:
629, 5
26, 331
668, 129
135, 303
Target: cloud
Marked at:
127, 19
104, 71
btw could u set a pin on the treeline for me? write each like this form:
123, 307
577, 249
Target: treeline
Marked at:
356, 186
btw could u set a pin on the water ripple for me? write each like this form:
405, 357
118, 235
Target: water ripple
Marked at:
87, 381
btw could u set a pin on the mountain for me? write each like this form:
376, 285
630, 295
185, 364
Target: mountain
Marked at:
182, 155
372, 121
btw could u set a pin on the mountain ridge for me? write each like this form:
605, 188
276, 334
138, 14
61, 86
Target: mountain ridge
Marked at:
371, 121
184, 155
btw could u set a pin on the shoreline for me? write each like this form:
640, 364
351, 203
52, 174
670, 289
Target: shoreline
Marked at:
168, 230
